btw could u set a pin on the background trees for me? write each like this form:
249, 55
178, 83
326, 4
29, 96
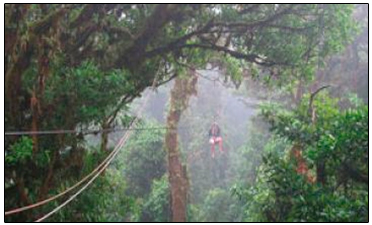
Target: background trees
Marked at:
78, 66
284, 194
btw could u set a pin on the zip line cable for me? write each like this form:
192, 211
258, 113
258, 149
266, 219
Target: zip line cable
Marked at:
114, 153
100, 168
46, 132
18, 210
43, 202
13, 211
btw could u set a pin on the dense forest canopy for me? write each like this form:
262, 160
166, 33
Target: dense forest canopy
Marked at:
294, 76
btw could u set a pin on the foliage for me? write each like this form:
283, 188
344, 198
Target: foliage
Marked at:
157, 206
297, 124
247, 157
339, 139
86, 89
219, 206
283, 195
79, 66
19, 152
105, 200
144, 159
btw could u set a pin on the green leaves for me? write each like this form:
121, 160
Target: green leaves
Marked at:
90, 74
218, 206
19, 152
89, 93
42, 159
157, 206
336, 138
353, 98
144, 159
234, 70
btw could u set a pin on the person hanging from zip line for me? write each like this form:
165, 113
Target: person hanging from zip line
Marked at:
215, 137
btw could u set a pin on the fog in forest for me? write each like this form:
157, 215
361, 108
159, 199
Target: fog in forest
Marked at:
186, 113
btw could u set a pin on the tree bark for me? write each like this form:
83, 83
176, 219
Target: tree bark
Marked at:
23, 195
46, 185
181, 92
321, 163
34, 128
320, 172
134, 54
104, 137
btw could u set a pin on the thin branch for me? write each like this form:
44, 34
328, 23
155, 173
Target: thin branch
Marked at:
182, 40
167, 80
239, 55
259, 22
311, 100
250, 9
201, 75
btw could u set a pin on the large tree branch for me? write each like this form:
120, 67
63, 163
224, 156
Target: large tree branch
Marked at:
257, 23
290, 29
88, 12
43, 25
136, 51
229, 28
250, 9
134, 54
182, 40
254, 58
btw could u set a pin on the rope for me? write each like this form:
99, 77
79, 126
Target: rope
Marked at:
100, 168
43, 202
114, 153
103, 164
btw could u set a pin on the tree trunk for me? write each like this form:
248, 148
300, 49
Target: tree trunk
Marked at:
320, 172
46, 185
104, 138
23, 194
299, 93
176, 179
181, 92
13, 86
35, 117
